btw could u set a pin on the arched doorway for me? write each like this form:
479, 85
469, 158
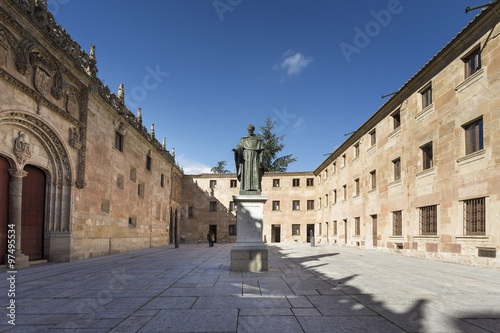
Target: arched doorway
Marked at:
4, 205
33, 213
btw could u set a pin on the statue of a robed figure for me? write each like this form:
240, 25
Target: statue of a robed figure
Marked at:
249, 253
248, 159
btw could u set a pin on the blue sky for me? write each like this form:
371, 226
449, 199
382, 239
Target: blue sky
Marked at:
203, 70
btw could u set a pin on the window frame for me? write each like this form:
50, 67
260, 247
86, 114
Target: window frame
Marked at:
296, 182
295, 229
472, 62
373, 179
276, 182
474, 222
397, 168
310, 204
119, 141
397, 223
427, 156
295, 204
213, 206
428, 220
276, 205
474, 135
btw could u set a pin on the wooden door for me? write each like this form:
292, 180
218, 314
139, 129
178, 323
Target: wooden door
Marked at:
33, 213
374, 230
4, 205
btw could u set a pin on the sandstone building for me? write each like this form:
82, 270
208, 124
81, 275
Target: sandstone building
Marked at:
81, 176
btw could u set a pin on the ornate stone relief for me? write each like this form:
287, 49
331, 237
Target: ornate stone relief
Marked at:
22, 149
75, 138
4, 51
46, 79
9, 44
120, 127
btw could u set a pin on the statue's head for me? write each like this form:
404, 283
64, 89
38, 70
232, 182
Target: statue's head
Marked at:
251, 129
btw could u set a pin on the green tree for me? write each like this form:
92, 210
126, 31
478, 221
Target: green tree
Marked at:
220, 168
272, 146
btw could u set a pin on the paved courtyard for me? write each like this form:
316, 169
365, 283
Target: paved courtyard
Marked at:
191, 289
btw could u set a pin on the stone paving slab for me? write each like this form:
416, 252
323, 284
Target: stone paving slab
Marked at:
307, 289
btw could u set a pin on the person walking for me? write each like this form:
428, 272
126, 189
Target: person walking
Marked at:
209, 238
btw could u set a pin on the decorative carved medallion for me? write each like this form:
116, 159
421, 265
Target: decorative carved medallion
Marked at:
22, 149
74, 138
43, 81
121, 128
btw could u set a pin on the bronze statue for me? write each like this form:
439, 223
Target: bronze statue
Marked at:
248, 160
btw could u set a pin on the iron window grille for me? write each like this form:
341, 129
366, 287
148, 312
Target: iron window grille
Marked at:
397, 223
475, 216
428, 220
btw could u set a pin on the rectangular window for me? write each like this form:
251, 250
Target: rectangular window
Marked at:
427, 161
140, 190
234, 183
326, 199
335, 227
396, 119
296, 182
133, 174
373, 177
345, 191
190, 211
326, 174
334, 196
310, 204
119, 182
320, 232
119, 141
296, 229
213, 184
276, 183
213, 206
319, 179
475, 216
344, 161
473, 136
334, 168
276, 205
231, 206
356, 185
296, 205
373, 137
148, 162
356, 150
397, 168
397, 223
132, 221
232, 230
426, 97
162, 180
428, 220
310, 181
472, 63
357, 226
319, 203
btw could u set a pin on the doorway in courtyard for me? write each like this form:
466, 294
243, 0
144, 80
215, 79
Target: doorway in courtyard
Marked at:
213, 229
33, 213
276, 233
310, 227
374, 230
4, 204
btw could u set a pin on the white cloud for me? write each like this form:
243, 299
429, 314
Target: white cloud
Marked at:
294, 64
192, 167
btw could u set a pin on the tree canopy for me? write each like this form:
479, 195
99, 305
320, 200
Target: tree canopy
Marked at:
220, 167
272, 146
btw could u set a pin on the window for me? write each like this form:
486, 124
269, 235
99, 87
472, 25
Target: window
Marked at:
319, 203
133, 174
396, 119
334, 196
357, 226
320, 232
345, 191
190, 211
276, 183
344, 162
475, 216
233, 183
232, 230
213, 184
140, 190
473, 136
148, 162
472, 63
334, 168
119, 141
326, 174
373, 177
213, 206
397, 223
105, 206
326, 200
296, 182
356, 150
426, 97
335, 227
356, 185
427, 161
296, 205
397, 168
276, 205
231, 206
295, 229
428, 220
319, 179
119, 182
310, 182
310, 204
162, 180
132, 221
373, 137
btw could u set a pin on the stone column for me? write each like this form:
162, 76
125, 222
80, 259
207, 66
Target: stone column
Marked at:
15, 209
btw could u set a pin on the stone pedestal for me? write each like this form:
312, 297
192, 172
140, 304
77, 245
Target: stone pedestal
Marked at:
249, 253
